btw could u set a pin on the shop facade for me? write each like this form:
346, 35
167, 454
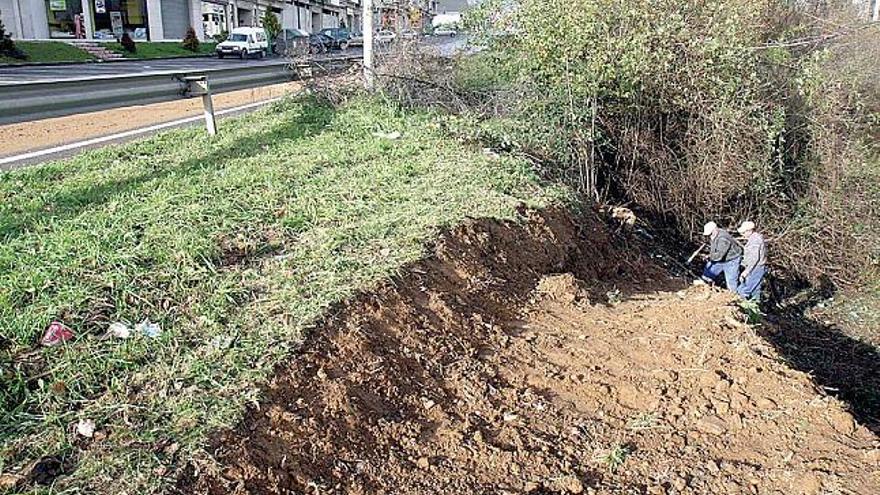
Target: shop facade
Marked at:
164, 20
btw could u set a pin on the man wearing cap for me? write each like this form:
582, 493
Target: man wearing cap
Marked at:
754, 262
724, 256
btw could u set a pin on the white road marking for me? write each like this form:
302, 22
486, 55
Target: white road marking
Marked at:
126, 134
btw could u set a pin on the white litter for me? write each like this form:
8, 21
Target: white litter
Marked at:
85, 428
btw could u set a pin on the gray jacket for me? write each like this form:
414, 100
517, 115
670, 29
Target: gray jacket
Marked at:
755, 253
724, 247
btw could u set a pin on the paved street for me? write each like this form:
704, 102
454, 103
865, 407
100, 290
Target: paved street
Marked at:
10, 75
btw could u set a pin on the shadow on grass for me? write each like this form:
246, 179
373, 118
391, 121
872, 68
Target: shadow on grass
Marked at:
310, 122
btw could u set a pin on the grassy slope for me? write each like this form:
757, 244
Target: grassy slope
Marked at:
162, 49
316, 204
48, 51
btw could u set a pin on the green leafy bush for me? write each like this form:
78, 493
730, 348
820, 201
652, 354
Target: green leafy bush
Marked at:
698, 110
271, 24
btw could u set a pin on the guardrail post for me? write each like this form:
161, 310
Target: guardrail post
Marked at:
198, 86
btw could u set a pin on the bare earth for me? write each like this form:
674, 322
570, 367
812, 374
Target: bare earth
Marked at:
41, 134
538, 358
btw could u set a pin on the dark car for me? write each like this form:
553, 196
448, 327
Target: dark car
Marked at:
291, 42
319, 43
341, 37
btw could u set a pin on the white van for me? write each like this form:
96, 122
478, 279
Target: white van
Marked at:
244, 42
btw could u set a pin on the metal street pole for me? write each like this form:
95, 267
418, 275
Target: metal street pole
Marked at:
368, 43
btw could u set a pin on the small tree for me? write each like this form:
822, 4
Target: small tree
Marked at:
191, 41
7, 46
271, 24
127, 43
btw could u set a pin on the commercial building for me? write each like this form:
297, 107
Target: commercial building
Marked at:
159, 20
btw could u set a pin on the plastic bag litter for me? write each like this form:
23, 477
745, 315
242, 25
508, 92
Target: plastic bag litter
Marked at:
118, 330
86, 428
148, 329
387, 135
56, 333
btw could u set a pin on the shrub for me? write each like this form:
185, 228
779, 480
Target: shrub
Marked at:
127, 43
271, 24
221, 37
191, 41
7, 46
694, 115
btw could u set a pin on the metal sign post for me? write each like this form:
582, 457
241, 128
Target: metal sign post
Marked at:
368, 43
198, 86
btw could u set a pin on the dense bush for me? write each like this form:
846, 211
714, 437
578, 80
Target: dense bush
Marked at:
697, 110
271, 24
191, 41
128, 43
221, 36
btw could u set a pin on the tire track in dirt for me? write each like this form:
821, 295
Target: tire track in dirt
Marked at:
538, 357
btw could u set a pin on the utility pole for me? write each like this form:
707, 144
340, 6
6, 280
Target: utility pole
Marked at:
368, 43
876, 16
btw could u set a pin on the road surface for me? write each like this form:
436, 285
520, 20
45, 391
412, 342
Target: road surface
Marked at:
447, 46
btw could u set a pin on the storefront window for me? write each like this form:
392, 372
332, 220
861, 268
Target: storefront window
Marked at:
115, 17
65, 18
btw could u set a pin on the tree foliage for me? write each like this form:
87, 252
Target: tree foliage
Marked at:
271, 24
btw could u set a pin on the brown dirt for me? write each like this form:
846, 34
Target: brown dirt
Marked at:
535, 358
46, 133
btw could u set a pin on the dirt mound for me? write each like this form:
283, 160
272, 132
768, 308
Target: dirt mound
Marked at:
534, 358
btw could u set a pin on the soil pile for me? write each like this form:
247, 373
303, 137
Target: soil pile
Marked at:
536, 358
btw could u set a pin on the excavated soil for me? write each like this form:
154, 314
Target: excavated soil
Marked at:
539, 358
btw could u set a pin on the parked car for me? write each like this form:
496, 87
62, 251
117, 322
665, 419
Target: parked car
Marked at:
291, 42
445, 30
340, 36
409, 34
356, 38
319, 43
385, 36
244, 42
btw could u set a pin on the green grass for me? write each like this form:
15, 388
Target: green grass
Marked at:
616, 456
304, 201
47, 52
162, 49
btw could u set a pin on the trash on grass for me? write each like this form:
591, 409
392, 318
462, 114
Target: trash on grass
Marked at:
117, 330
148, 329
387, 135
221, 342
56, 333
85, 428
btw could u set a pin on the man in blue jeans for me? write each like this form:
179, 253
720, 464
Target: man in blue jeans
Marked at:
754, 262
724, 256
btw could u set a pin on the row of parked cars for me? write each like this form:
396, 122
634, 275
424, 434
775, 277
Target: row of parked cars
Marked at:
246, 42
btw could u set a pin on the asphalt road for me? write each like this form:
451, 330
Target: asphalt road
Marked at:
10, 75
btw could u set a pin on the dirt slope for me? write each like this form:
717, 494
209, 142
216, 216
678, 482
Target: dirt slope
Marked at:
535, 358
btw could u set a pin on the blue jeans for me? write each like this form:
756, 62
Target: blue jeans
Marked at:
750, 288
729, 268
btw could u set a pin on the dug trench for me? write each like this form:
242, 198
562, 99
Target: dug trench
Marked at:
538, 357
